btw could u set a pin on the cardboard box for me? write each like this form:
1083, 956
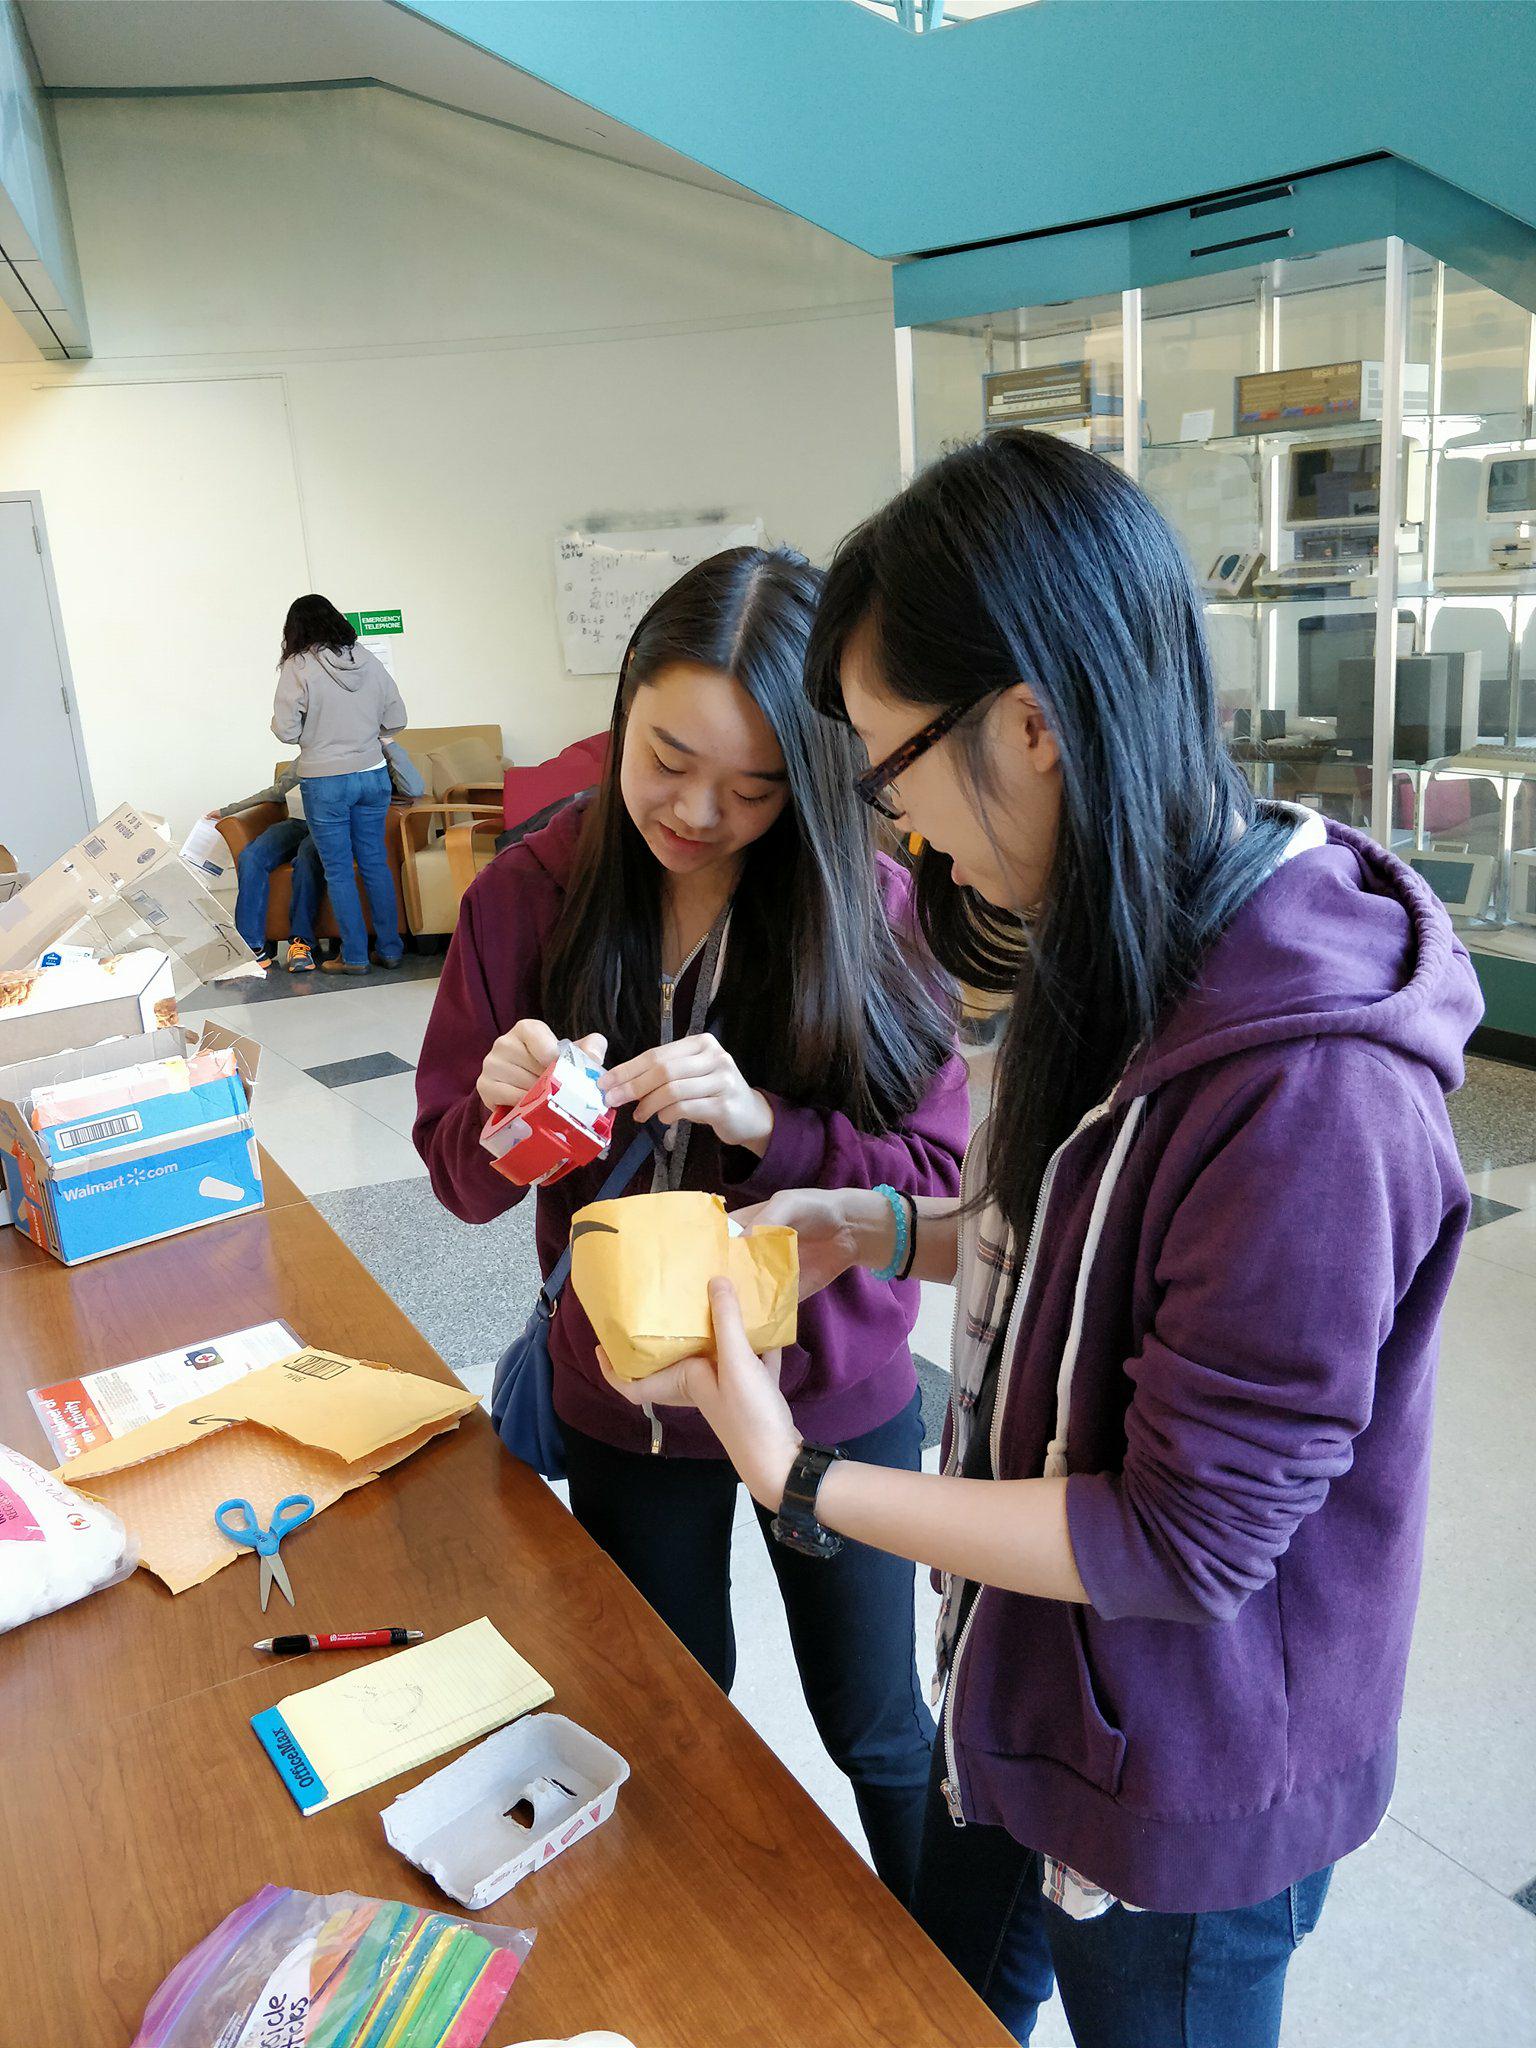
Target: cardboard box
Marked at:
162, 1166
54, 1009
121, 887
507, 1807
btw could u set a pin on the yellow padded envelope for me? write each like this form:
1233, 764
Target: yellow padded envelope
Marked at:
641, 1268
314, 1423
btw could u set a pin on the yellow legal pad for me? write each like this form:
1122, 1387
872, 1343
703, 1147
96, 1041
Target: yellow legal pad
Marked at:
390, 1715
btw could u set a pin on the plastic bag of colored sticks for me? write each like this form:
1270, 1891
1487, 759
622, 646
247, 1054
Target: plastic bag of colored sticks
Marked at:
289, 1970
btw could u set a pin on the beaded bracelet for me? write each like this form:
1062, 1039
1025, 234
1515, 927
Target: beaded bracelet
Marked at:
903, 1213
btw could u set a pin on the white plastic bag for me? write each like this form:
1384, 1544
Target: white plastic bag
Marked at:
55, 1546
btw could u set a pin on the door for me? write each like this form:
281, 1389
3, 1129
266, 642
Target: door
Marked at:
45, 797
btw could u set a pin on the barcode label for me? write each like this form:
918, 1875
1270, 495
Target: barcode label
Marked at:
148, 907
107, 1127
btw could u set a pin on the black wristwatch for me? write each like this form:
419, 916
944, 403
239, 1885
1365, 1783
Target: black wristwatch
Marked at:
795, 1525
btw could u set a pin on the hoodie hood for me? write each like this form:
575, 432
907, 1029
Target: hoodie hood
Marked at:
344, 665
552, 846
1342, 940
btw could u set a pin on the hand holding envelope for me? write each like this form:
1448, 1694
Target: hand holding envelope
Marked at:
641, 1268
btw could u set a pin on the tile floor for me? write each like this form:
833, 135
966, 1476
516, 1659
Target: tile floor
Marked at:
1424, 1939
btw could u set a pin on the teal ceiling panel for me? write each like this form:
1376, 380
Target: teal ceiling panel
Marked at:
1044, 116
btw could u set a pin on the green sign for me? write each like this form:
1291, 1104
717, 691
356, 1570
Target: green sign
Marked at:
369, 625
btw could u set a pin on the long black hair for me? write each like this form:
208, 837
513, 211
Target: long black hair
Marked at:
313, 621
818, 1000
1022, 559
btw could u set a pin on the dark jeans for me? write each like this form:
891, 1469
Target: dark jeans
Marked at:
346, 814
1128, 1980
255, 866
666, 1523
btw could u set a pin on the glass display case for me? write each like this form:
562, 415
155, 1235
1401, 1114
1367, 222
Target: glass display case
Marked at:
1346, 445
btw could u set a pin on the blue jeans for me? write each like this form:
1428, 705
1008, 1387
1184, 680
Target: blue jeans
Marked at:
666, 1523
255, 865
346, 814
1128, 1980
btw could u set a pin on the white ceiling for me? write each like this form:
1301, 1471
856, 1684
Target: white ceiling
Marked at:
145, 45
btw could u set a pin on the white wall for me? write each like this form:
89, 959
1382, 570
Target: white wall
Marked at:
351, 342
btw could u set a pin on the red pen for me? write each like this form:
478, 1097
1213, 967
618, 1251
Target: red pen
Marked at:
357, 1639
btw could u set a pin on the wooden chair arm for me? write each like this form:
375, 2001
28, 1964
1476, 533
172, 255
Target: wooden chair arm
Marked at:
417, 821
243, 827
460, 842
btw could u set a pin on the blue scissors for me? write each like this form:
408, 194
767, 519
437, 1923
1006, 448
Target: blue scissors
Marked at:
243, 1527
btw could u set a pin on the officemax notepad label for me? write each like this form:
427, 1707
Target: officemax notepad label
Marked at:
293, 1766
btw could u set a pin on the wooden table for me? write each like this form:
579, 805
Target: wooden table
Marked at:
717, 1909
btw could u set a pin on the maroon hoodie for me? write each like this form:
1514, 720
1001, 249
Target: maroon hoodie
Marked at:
851, 1370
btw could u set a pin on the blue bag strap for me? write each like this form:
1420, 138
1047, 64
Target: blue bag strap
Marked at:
617, 1181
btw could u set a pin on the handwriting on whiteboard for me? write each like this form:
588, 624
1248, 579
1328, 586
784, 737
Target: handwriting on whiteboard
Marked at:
605, 583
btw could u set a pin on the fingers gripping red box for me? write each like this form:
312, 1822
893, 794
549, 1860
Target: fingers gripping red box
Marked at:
561, 1123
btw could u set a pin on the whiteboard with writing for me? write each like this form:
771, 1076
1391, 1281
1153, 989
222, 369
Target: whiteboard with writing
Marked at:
605, 584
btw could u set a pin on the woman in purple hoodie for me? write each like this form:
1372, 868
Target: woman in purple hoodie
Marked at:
1202, 1250
715, 922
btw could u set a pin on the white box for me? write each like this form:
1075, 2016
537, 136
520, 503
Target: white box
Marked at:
457, 1825
45, 1010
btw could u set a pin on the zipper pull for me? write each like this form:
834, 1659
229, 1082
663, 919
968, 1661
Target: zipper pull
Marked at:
952, 1801
654, 1420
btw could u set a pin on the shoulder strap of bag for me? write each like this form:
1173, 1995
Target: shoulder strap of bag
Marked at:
615, 1184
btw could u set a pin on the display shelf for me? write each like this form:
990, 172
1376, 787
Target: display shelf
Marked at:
1312, 595
1426, 523
1416, 426
1489, 766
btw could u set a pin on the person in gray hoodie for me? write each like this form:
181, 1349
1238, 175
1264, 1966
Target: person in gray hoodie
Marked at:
339, 704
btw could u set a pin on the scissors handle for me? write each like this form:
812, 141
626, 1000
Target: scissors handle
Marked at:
290, 1513
237, 1520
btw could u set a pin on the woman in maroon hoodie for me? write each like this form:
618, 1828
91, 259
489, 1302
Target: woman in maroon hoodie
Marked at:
1204, 1245
714, 923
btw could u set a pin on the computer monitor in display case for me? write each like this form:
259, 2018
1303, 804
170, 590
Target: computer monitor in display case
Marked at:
1509, 487
1334, 483
1462, 880
1324, 640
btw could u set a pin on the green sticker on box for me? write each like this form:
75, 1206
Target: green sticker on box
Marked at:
370, 625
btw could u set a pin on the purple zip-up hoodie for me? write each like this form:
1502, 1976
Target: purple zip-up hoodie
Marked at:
851, 1370
1249, 1413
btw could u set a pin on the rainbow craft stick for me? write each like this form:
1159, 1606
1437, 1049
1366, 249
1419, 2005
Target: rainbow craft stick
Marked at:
413, 1980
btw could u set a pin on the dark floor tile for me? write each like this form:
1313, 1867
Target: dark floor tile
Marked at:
1526, 1896
369, 1066
1486, 1210
279, 985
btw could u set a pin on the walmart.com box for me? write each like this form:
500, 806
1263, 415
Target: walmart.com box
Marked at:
158, 1167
